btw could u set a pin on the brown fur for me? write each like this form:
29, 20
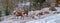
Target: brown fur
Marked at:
18, 13
41, 13
26, 12
46, 12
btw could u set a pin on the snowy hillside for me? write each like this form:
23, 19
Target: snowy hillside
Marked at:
55, 18
47, 18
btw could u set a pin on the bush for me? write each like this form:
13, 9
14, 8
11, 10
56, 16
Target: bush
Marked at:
0, 13
56, 13
6, 12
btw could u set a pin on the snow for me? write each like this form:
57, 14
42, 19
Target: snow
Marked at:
27, 4
47, 18
50, 19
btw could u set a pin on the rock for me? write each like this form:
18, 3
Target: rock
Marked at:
52, 9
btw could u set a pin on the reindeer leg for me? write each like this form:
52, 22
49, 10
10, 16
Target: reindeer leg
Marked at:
23, 17
17, 17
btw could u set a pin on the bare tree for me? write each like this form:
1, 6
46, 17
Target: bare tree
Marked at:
9, 5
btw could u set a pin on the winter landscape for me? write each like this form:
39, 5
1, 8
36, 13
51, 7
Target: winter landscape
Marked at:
29, 11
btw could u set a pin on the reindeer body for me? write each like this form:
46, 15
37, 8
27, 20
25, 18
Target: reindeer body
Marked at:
18, 13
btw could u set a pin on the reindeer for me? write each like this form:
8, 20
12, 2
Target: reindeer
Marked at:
18, 13
37, 15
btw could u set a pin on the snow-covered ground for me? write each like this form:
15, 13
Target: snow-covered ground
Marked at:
47, 18
54, 18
